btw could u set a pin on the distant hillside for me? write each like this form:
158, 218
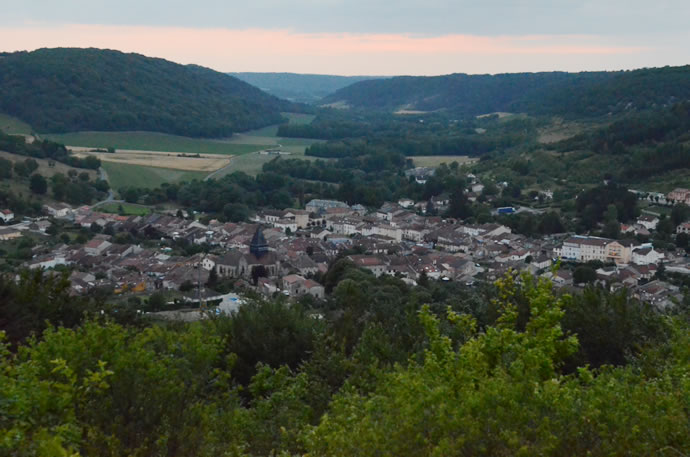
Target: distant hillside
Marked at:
582, 94
68, 89
299, 87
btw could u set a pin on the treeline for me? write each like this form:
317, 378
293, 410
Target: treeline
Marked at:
68, 89
438, 135
567, 94
46, 149
371, 361
234, 196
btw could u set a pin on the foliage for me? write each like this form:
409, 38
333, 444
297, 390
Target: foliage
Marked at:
381, 367
44, 149
500, 393
581, 94
38, 184
68, 89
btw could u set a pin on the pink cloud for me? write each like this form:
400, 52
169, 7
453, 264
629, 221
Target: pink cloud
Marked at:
285, 50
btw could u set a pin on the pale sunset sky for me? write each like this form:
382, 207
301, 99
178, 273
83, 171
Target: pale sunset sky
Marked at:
364, 37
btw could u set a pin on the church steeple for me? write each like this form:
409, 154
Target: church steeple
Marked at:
258, 246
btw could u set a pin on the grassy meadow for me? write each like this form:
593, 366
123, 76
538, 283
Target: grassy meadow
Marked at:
13, 126
128, 209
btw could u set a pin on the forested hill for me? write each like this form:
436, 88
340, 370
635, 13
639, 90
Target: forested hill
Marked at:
69, 89
578, 94
297, 87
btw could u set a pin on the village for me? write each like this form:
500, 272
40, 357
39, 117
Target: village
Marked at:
287, 251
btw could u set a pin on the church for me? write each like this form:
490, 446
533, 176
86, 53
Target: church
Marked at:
236, 264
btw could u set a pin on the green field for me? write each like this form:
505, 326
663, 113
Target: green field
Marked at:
151, 141
253, 163
241, 143
128, 209
14, 126
124, 175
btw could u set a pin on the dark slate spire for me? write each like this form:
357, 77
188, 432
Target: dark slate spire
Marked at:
258, 246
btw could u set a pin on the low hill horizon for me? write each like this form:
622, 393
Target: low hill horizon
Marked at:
550, 93
299, 87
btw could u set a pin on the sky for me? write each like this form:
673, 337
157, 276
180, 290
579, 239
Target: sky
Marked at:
365, 37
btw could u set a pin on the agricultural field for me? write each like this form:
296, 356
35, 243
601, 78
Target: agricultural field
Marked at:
13, 126
435, 161
173, 160
126, 209
151, 141
252, 164
126, 175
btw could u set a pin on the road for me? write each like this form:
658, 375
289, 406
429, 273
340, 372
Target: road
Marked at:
102, 174
214, 173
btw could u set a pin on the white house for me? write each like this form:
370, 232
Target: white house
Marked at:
96, 246
648, 221
6, 215
406, 203
48, 262
646, 256
285, 225
583, 249
59, 210
209, 262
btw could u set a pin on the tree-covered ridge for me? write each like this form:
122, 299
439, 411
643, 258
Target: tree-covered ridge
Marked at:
576, 94
69, 89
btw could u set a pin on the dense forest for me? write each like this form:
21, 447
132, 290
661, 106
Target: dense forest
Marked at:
67, 89
379, 368
570, 94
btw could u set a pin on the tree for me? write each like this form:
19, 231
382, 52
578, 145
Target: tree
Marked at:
187, 285
38, 184
212, 278
21, 169
272, 332
550, 223
682, 240
459, 206
258, 271
611, 224
584, 274
5, 169
156, 301
131, 195
31, 165
236, 212
680, 213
